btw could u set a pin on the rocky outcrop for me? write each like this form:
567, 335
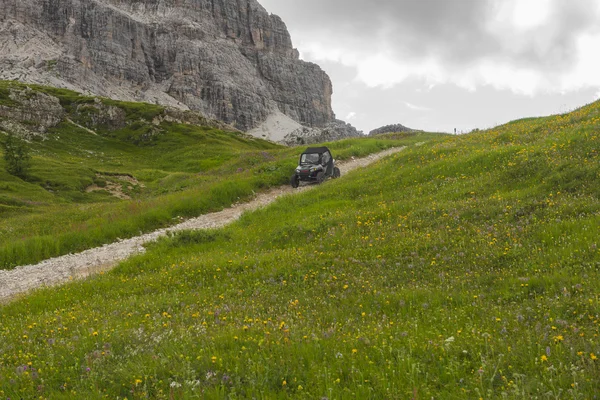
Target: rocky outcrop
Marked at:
97, 114
396, 128
282, 129
228, 59
333, 131
28, 113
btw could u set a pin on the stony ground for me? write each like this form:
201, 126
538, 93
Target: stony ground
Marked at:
58, 270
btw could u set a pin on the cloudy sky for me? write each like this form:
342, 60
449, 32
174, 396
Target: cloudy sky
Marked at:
438, 65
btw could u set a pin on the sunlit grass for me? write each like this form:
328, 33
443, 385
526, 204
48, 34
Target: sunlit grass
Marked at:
467, 267
180, 171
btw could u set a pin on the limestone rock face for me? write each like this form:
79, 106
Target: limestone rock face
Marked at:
30, 113
228, 59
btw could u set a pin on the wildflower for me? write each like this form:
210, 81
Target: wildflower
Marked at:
593, 357
214, 359
137, 382
544, 358
558, 339
354, 351
283, 383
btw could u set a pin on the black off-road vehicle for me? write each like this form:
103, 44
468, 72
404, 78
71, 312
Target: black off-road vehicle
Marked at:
316, 164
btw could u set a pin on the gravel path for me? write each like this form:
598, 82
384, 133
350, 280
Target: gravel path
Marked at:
58, 270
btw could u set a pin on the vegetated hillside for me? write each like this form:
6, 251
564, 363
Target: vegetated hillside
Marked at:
103, 170
394, 128
466, 267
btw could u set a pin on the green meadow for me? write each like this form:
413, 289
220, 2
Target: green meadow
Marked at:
87, 187
461, 268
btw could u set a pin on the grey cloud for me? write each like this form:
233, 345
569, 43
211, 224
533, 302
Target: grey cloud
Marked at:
454, 31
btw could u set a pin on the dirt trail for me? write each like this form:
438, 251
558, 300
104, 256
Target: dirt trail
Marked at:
58, 270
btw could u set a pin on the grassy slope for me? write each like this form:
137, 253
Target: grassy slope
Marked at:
464, 268
185, 171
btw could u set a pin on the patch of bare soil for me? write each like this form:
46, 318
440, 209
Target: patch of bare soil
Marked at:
114, 185
78, 266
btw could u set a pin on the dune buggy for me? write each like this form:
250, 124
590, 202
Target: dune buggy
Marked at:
316, 164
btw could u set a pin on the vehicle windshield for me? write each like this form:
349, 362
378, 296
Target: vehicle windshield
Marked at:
309, 158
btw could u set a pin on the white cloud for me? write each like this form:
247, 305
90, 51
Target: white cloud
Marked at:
351, 116
585, 71
522, 14
416, 108
530, 14
522, 81
381, 70
384, 71
525, 46
317, 50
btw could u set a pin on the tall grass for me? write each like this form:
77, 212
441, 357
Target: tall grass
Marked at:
180, 171
463, 268
51, 213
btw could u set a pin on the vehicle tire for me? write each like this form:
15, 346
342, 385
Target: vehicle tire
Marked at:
295, 181
320, 177
336, 173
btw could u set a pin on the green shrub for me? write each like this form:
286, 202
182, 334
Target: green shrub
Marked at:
16, 155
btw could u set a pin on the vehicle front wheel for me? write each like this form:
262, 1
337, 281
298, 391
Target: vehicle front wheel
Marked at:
295, 181
320, 177
336, 173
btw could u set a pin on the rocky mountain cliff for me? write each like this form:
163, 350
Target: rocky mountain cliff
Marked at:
228, 59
